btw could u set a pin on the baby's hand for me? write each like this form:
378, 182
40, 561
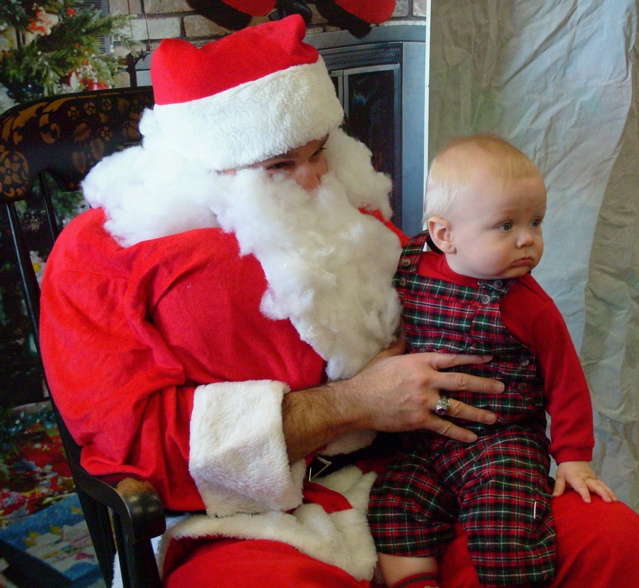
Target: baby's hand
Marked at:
581, 477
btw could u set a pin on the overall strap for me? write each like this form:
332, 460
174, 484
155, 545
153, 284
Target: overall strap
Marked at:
409, 259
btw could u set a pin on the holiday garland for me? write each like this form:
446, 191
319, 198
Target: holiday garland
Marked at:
52, 48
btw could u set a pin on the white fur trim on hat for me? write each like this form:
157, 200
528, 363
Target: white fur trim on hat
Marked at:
254, 121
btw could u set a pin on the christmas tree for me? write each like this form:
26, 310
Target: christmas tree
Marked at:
54, 48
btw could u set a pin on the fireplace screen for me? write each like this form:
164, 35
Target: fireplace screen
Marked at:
380, 82
368, 95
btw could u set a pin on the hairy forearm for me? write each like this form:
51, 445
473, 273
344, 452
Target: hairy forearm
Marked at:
392, 393
313, 418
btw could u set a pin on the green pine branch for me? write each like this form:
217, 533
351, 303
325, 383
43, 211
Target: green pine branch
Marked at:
39, 67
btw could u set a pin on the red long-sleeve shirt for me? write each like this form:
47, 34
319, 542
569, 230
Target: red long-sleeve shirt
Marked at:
532, 317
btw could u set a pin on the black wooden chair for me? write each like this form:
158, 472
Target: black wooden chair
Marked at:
60, 139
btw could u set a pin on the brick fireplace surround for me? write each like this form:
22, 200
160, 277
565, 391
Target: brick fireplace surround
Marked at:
159, 19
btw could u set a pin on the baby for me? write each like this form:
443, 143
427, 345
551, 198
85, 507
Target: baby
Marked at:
472, 292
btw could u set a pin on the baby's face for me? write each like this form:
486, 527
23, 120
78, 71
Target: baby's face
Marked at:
496, 232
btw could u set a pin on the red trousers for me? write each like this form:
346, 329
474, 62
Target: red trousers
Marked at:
597, 547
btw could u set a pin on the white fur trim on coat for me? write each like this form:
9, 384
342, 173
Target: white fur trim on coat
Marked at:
341, 538
238, 455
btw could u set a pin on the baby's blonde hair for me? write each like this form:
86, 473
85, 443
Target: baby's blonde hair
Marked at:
452, 167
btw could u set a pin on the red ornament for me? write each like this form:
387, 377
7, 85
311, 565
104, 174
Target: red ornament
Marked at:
98, 86
252, 7
371, 11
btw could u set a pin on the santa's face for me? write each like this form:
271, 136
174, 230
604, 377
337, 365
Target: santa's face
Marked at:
305, 165
328, 266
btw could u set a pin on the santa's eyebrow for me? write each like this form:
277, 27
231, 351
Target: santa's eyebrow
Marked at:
293, 152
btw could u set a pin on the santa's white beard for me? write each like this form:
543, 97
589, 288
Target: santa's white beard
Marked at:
329, 267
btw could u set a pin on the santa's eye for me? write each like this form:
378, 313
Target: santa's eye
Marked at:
278, 165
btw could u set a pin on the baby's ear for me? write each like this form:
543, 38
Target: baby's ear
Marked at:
440, 232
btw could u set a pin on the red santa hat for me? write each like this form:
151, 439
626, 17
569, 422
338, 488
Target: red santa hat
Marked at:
247, 97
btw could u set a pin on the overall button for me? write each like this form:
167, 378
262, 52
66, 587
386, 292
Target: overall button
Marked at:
402, 282
524, 361
405, 262
485, 299
499, 284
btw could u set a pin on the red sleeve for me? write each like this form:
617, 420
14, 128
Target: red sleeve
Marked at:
533, 318
128, 334
101, 355
403, 238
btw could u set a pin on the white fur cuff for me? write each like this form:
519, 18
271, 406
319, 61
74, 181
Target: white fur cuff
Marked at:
238, 455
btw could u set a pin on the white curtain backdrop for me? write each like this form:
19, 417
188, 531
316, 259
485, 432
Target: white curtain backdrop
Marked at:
559, 79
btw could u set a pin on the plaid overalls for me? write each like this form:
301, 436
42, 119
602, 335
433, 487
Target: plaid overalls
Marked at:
498, 487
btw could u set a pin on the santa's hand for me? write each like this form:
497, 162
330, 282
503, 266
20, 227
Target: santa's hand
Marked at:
581, 478
394, 392
401, 392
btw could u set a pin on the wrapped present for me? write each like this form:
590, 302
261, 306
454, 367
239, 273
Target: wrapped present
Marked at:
52, 547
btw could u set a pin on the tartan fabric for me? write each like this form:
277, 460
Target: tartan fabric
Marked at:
441, 316
499, 490
498, 487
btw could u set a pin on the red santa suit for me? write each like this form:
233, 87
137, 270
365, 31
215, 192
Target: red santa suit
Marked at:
178, 312
187, 342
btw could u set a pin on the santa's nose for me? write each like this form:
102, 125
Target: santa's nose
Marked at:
309, 175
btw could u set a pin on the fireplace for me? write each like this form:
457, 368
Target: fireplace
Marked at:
380, 80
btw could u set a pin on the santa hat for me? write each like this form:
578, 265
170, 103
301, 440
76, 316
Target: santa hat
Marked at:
247, 97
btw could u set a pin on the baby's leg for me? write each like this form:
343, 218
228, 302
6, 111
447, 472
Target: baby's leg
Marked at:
408, 572
506, 510
411, 517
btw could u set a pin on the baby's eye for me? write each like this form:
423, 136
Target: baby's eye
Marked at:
536, 222
507, 226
